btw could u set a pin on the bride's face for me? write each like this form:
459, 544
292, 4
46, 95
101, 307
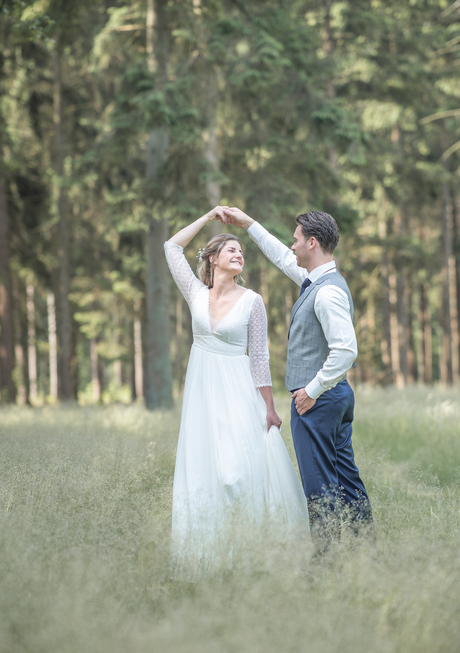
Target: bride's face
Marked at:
230, 258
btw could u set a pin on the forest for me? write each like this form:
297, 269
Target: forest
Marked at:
123, 120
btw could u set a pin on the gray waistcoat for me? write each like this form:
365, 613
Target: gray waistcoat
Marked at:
307, 347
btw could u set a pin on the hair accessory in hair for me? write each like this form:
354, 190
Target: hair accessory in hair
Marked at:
200, 254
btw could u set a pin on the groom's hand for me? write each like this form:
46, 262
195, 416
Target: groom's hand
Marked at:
217, 213
303, 402
237, 218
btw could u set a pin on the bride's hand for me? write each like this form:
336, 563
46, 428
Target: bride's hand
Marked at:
236, 217
273, 419
217, 213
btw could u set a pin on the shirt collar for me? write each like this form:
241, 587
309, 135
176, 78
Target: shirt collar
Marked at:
318, 272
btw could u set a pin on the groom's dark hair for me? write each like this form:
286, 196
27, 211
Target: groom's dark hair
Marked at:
322, 226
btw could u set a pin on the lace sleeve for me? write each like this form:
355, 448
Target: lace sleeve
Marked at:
258, 349
181, 271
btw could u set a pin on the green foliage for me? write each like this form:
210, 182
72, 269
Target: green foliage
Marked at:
311, 109
29, 19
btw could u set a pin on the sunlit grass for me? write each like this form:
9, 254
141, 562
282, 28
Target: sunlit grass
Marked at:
85, 502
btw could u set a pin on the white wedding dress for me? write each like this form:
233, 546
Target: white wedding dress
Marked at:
227, 464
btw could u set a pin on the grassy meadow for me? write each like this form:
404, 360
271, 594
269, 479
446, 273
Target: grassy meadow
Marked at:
85, 503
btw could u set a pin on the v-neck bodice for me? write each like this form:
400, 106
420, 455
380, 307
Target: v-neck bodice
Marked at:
213, 323
230, 334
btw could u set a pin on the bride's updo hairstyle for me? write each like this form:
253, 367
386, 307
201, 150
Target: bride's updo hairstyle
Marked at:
214, 248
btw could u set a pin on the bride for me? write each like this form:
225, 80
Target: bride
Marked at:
231, 465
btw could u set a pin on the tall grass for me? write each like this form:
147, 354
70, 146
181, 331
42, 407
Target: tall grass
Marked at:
85, 504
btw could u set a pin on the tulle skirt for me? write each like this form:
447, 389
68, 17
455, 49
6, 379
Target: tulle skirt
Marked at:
232, 478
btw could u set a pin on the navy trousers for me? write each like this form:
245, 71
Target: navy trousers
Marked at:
322, 441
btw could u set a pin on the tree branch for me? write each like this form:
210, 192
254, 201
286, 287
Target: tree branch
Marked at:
440, 115
450, 9
453, 148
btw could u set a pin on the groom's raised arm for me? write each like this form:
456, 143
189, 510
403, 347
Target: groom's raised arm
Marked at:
273, 248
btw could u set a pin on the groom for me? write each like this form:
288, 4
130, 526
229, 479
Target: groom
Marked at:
321, 349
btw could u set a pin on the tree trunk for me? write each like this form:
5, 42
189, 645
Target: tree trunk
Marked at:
371, 334
394, 332
418, 337
452, 287
52, 342
402, 326
101, 374
453, 316
158, 386
118, 374
445, 362
329, 46
66, 385
7, 386
20, 347
95, 383
438, 342
21, 378
31, 346
132, 364
117, 365
401, 306
411, 371
158, 368
386, 309
138, 372
426, 335
211, 151
450, 321
456, 251
210, 142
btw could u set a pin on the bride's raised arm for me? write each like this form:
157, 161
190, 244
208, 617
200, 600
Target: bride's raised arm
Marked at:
185, 235
181, 271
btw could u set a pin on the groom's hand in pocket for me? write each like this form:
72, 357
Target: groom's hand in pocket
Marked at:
303, 402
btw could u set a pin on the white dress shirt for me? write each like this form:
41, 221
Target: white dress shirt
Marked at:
331, 307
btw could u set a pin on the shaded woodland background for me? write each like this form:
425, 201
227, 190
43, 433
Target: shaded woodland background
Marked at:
121, 121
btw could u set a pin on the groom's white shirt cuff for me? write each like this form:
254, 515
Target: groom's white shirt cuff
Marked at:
331, 308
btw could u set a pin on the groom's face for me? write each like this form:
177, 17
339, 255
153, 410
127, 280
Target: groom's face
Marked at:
301, 248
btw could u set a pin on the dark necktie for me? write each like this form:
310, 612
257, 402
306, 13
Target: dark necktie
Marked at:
304, 286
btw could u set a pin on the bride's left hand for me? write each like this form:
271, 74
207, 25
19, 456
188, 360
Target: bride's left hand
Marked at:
273, 419
217, 213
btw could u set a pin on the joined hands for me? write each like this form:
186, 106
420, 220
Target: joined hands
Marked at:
230, 215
